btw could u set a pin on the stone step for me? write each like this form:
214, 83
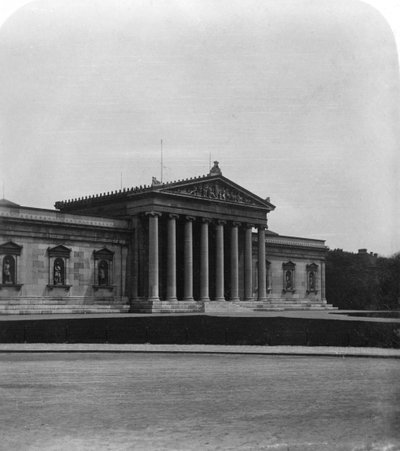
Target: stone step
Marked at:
65, 309
293, 308
67, 305
42, 301
61, 307
61, 311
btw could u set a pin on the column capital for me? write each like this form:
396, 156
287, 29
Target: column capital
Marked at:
190, 218
236, 224
261, 227
248, 226
173, 216
206, 220
152, 213
220, 222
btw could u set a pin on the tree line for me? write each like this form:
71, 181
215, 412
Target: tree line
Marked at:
362, 281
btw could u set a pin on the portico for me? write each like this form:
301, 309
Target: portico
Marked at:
194, 242
203, 243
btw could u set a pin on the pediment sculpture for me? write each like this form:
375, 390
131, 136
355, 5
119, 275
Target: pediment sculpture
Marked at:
214, 191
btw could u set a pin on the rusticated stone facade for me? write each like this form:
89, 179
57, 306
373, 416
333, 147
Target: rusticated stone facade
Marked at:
199, 244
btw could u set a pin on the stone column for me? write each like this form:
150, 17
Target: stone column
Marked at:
204, 268
262, 290
134, 263
219, 263
153, 294
188, 259
235, 262
323, 298
248, 263
171, 258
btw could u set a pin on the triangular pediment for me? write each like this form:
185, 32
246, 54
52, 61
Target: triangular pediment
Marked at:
218, 189
10, 248
103, 254
59, 251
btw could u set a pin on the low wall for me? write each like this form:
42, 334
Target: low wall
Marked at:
203, 329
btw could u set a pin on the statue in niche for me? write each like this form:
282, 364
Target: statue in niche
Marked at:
103, 273
58, 273
8, 272
311, 281
289, 282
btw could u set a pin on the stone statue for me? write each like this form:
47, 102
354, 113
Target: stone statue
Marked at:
311, 281
7, 276
102, 275
215, 170
57, 273
289, 284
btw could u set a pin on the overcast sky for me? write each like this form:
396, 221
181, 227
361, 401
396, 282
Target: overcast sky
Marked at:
297, 99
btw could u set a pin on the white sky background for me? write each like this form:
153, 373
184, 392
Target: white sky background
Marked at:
297, 99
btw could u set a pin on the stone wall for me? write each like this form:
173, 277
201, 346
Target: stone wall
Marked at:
302, 253
43, 234
34, 270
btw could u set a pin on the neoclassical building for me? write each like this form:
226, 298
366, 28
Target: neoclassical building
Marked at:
195, 245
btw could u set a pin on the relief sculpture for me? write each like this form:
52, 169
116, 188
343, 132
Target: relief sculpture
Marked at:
215, 191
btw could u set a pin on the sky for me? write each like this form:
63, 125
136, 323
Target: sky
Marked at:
297, 99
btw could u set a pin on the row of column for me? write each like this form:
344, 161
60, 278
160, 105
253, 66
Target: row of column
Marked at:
153, 291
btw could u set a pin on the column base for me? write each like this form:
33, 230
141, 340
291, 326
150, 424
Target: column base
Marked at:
188, 299
167, 306
224, 307
262, 299
219, 299
204, 299
237, 299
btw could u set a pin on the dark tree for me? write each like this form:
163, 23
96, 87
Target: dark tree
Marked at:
389, 281
362, 281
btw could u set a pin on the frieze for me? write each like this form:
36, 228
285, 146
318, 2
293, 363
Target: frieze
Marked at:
214, 191
292, 242
65, 220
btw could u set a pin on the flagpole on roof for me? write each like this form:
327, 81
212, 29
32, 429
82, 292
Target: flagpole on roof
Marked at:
161, 161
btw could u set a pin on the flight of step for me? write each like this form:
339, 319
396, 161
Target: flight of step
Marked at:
37, 305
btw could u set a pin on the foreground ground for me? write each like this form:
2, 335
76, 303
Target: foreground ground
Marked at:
76, 401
